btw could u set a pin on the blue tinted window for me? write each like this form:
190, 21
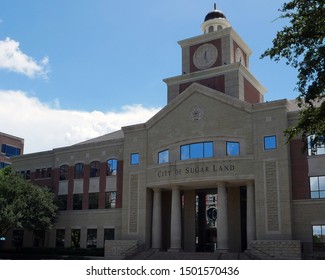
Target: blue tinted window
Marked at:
9, 151
269, 142
208, 149
111, 167
233, 149
185, 152
78, 170
163, 156
3, 164
135, 159
197, 150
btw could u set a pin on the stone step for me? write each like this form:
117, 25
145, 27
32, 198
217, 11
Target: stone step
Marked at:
163, 255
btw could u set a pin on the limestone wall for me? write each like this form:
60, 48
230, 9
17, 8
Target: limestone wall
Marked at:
116, 249
275, 249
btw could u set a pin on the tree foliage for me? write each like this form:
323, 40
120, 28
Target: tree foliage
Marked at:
24, 205
301, 44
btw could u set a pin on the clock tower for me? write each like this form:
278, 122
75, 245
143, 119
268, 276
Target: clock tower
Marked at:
218, 59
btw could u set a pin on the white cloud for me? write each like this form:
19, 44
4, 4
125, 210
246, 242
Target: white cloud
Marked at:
45, 126
13, 59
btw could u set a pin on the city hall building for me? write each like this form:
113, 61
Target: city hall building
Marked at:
210, 172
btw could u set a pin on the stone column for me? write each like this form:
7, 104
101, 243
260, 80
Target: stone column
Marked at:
175, 221
222, 219
250, 212
156, 219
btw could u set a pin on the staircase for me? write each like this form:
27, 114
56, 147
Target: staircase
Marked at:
163, 255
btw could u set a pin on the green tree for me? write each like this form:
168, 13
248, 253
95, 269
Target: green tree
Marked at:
24, 205
301, 44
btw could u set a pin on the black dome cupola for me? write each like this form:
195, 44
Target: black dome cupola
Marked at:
214, 21
214, 14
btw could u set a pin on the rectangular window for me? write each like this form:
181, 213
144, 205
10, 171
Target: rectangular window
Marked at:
39, 238
91, 238
135, 159
62, 202
93, 201
270, 142
109, 234
60, 237
3, 164
17, 238
79, 171
64, 172
319, 234
110, 200
233, 149
77, 201
317, 187
163, 156
316, 146
94, 169
75, 238
197, 150
27, 175
10, 151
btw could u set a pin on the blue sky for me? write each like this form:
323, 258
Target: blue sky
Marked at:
76, 69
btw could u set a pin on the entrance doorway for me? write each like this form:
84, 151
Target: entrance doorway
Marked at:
206, 219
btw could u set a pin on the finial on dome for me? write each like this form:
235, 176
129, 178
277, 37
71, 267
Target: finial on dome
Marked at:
215, 6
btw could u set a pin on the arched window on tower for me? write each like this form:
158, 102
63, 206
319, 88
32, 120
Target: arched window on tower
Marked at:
211, 29
111, 167
219, 27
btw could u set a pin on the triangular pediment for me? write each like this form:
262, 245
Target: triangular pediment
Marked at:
199, 90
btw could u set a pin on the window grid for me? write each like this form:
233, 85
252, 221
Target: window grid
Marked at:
197, 150
317, 187
10, 151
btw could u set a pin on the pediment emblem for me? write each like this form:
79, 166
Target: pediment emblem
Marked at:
196, 113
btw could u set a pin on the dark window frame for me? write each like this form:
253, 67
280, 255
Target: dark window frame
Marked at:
94, 169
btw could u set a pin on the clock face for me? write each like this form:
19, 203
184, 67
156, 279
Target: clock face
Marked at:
205, 56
